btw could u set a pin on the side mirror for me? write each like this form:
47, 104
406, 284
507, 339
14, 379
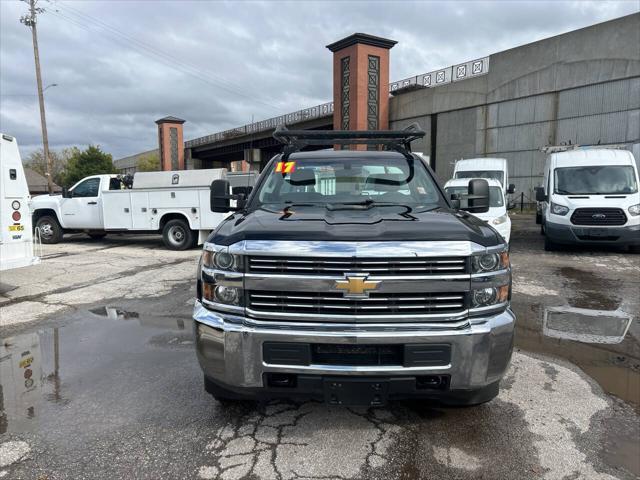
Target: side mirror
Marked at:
478, 198
511, 189
219, 196
540, 196
66, 193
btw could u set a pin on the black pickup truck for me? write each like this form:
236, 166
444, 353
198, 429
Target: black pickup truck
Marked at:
348, 276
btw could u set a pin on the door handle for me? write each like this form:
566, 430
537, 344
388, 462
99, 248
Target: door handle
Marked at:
92, 203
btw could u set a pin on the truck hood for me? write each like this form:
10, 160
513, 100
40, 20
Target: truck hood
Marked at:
372, 223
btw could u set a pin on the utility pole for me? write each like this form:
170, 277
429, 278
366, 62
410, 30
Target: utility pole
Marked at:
30, 21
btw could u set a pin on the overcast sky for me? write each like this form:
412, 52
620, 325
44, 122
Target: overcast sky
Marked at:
120, 65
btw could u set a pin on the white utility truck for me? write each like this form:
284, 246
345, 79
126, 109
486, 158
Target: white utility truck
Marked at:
590, 196
174, 203
16, 235
495, 168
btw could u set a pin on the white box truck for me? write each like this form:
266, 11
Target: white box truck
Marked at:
174, 203
16, 236
488, 168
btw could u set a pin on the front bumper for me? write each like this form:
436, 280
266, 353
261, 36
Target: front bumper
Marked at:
592, 235
230, 349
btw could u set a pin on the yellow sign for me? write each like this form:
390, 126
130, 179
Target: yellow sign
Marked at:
16, 228
356, 286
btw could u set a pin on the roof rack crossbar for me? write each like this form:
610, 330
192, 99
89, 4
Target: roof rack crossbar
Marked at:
399, 140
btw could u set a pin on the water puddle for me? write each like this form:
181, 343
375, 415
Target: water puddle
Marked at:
585, 323
45, 369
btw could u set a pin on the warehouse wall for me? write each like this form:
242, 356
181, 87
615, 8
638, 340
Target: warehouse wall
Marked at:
580, 87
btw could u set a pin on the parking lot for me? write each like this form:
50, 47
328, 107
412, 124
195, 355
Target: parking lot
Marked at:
117, 390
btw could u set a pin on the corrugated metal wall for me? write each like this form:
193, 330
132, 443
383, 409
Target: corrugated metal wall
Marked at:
517, 129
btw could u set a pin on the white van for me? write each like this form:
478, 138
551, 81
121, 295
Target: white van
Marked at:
489, 168
16, 236
497, 215
590, 196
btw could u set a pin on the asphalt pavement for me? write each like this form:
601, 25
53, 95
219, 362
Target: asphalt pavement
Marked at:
113, 389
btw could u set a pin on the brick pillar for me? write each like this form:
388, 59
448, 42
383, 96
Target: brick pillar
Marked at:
171, 143
360, 82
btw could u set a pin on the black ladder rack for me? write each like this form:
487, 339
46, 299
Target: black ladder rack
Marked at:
398, 140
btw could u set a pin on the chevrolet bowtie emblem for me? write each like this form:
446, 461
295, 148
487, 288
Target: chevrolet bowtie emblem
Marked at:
356, 285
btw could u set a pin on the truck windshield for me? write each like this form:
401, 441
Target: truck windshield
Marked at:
495, 195
596, 179
350, 181
489, 174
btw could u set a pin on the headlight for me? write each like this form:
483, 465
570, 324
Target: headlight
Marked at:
634, 210
221, 259
221, 294
559, 209
499, 220
485, 297
489, 262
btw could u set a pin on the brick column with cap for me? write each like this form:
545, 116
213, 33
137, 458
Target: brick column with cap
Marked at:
171, 143
360, 82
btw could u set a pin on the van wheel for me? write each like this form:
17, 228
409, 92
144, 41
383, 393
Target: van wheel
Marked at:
177, 235
50, 229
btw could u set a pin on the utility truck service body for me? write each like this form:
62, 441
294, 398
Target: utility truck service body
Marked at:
16, 236
350, 277
174, 203
590, 196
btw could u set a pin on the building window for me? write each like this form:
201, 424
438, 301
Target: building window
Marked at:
173, 141
373, 94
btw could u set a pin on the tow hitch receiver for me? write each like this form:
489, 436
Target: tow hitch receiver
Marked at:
350, 391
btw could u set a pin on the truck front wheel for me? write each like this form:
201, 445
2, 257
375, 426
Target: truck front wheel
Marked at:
177, 235
50, 229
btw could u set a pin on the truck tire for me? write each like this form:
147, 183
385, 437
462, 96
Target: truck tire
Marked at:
177, 235
50, 229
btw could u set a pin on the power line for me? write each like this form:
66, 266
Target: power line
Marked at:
163, 57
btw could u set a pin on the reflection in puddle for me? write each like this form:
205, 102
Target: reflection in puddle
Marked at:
35, 365
20, 381
114, 313
586, 325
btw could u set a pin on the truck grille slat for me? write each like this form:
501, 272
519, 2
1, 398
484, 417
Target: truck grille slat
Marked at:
376, 303
598, 216
377, 266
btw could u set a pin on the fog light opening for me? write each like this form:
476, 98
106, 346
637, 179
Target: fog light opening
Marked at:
432, 382
281, 380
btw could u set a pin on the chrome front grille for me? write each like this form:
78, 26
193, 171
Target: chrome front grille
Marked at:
334, 303
375, 266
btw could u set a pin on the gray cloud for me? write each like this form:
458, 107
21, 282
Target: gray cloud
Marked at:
121, 65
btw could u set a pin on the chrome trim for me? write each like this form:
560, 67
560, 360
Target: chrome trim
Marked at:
223, 307
458, 276
497, 308
490, 274
322, 368
358, 318
230, 322
356, 249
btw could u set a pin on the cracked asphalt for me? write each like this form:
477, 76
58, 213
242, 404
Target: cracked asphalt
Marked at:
114, 389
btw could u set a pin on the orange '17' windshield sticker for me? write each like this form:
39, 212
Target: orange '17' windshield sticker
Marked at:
285, 167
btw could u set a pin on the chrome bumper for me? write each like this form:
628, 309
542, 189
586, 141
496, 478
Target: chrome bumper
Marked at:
229, 347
